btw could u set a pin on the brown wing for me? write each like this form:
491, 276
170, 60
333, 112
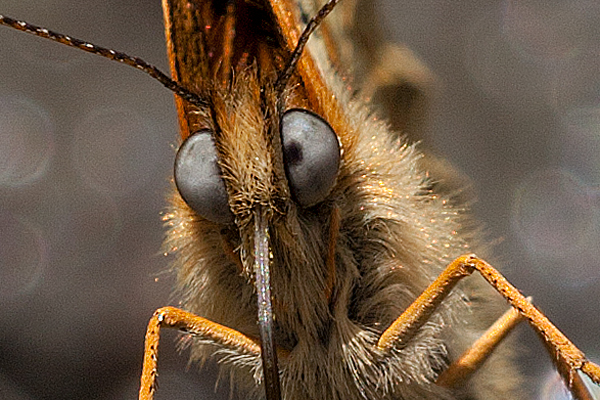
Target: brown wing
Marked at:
183, 39
209, 41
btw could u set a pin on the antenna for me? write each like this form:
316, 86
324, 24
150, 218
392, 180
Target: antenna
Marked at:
313, 24
107, 53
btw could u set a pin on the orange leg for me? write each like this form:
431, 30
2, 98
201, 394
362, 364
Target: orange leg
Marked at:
566, 355
171, 317
462, 369
578, 389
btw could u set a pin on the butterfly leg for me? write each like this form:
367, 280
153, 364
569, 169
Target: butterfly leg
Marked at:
171, 317
470, 361
565, 354
461, 369
577, 387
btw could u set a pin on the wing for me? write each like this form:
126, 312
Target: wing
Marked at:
208, 42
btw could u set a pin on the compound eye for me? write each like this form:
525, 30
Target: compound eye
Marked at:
311, 155
198, 178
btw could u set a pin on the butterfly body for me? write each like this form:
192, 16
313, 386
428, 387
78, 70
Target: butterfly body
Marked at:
335, 290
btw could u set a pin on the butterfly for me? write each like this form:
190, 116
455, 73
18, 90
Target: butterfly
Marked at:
366, 381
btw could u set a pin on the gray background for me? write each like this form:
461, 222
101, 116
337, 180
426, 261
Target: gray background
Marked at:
86, 153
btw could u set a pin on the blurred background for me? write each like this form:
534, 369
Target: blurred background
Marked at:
86, 150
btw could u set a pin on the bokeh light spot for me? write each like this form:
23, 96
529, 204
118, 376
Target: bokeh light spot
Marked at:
580, 149
26, 142
557, 221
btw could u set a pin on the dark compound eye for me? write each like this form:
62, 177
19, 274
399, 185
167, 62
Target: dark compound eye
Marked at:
198, 178
311, 155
